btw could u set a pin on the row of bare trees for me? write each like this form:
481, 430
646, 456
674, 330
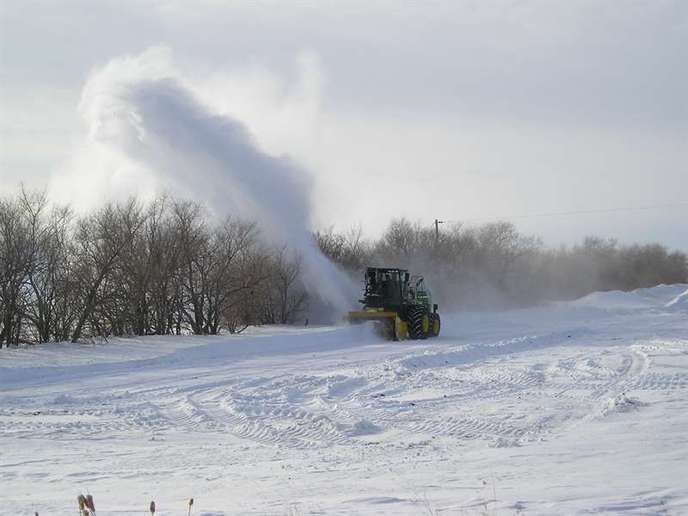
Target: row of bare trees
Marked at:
168, 268
493, 265
130, 269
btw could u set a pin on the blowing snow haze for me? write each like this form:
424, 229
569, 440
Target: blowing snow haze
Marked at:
137, 107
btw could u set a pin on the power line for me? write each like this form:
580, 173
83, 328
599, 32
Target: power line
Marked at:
574, 212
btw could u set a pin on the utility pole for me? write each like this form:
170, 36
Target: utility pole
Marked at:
437, 229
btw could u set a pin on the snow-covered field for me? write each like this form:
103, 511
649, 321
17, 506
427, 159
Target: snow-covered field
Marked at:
575, 408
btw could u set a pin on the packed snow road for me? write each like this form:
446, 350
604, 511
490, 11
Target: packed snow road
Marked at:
577, 407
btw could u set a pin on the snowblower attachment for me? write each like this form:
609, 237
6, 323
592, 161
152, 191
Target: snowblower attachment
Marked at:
400, 304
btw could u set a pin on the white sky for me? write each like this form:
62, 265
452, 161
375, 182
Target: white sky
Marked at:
456, 110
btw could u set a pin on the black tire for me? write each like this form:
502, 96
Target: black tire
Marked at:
415, 316
435, 325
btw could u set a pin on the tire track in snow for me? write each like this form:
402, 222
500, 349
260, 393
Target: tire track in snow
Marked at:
436, 391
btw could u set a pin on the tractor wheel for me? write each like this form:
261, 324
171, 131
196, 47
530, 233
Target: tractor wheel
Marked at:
418, 322
435, 325
400, 329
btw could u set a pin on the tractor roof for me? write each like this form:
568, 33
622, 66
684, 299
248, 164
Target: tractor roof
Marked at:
386, 269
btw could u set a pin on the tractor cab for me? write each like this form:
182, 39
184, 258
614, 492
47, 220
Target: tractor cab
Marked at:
385, 289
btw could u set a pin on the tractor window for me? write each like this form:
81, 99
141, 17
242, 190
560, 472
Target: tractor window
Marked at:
385, 288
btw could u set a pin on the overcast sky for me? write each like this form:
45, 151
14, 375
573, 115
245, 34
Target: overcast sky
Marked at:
468, 110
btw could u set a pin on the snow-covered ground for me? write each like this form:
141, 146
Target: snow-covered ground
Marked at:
575, 408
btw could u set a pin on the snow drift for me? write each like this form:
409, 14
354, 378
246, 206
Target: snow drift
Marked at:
658, 297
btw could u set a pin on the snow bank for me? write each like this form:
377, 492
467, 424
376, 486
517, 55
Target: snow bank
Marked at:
659, 297
680, 302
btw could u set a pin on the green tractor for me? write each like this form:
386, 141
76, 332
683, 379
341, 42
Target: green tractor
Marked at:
400, 303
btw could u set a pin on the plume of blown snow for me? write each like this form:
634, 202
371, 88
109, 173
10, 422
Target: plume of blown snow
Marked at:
141, 107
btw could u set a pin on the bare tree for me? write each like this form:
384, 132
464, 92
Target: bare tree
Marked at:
287, 298
49, 237
348, 249
162, 244
101, 240
239, 269
195, 242
15, 264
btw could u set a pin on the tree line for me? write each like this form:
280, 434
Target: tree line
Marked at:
494, 266
130, 269
167, 267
